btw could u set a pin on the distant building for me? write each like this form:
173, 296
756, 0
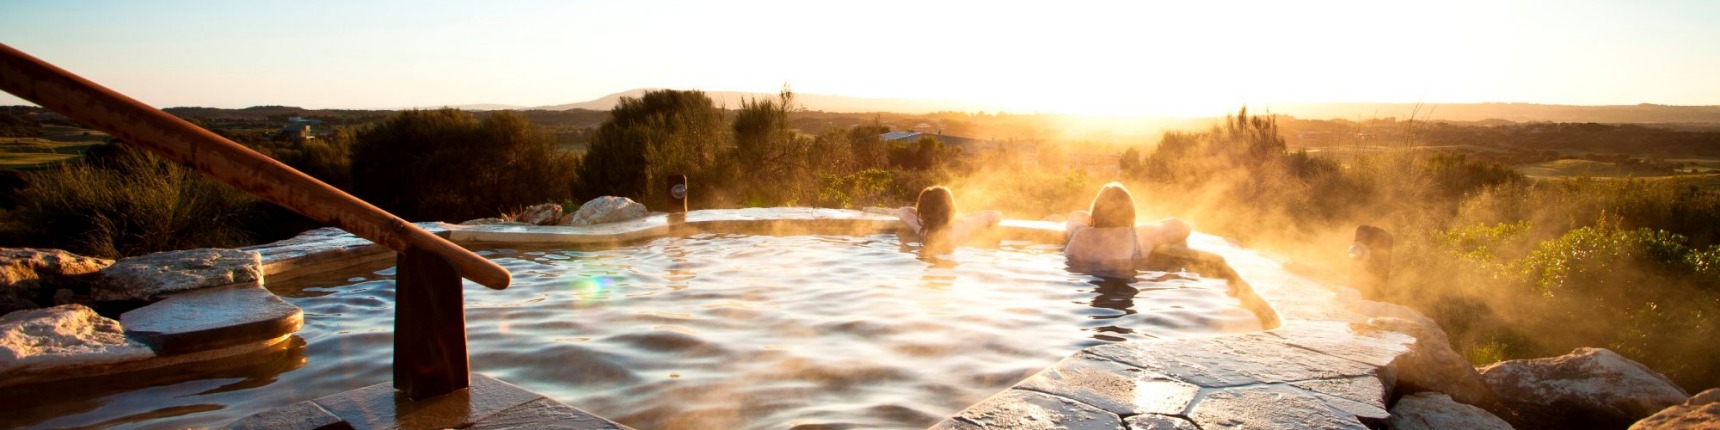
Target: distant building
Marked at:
299, 128
297, 131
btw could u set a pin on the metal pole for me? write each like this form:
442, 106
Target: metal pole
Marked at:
137, 123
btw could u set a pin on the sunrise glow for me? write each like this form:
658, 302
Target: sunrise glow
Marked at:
1110, 58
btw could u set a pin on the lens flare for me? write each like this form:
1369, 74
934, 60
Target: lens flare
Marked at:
587, 290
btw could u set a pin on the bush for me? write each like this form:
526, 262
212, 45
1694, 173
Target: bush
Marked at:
854, 191
663, 132
445, 165
127, 202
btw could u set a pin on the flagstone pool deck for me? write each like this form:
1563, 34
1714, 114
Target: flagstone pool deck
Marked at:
1319, 363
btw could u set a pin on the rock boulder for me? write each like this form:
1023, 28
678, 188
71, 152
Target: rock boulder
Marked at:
1430, 365
539, 214
485, 221
1588, 388
30, 277
62, 336
1702, 411
605, 209
147, 276
1435, 411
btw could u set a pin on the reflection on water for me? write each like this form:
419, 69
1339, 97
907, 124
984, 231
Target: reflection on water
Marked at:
160, 395
709, 332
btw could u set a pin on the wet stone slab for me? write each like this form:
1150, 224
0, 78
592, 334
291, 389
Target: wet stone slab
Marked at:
1264, 407
1022, 409
212, 318
1158, 422
326, 249
1115, 387
1362, 396
488, 404
301, 415
1356, 342
151, 276
1232, 361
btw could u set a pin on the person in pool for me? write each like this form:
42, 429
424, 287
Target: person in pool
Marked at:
933, 219
1105, 235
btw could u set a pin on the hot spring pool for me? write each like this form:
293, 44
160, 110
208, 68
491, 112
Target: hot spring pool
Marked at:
707, 331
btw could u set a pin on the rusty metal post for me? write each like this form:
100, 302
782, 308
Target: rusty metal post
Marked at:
104, 109
1370, 260
429, 326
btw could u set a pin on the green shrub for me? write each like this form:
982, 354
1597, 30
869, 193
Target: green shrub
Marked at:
128, 202
858, 190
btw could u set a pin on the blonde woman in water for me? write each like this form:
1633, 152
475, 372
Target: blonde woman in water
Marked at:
1106, 236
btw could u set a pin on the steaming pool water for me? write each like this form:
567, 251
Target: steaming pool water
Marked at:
705, 331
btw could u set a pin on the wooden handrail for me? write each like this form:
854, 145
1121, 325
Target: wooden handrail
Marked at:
96, 106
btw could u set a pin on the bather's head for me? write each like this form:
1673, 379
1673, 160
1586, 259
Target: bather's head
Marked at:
1113, 207
936, 207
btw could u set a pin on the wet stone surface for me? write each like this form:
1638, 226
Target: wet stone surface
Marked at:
1021, 409
302, 415
1269, 407
489, 403
1121, 389
1363, 396
149, 276
212, 318
1355, 342
54, 341
1232, 361
1158, 422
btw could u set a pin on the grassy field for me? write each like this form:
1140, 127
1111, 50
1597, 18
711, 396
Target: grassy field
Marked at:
1590, 168
25, 153
58, 144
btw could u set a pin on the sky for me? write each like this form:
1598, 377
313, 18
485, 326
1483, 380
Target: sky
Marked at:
1184, 58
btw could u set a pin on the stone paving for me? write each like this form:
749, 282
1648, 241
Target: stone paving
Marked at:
489, 403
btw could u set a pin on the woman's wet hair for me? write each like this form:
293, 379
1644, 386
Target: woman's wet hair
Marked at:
936, 207
1113, 207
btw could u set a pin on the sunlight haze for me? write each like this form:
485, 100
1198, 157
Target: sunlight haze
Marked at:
1111, 58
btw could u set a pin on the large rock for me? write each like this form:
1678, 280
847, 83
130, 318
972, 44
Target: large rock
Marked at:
605, 209
60, 337
30, 276
1435, 411
148, 276
1702, 411
540, 214
1431, 364
1588, 388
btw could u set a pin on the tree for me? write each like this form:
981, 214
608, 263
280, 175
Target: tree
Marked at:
866, 145
769, 155
446, 165
661, 133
